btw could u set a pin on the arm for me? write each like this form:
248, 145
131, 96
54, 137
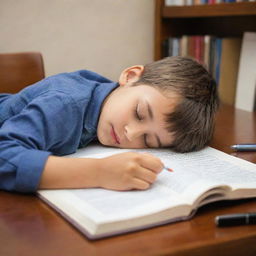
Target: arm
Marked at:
27, 138
61, 172
123, 171
25, 162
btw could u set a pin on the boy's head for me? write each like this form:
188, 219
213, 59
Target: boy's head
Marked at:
168, 103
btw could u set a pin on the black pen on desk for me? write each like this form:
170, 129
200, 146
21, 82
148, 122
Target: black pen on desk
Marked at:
244, 147
236, 219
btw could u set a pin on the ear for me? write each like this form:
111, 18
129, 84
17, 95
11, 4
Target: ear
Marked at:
130, 75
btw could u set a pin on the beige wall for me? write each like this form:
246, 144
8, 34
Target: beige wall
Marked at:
101, 35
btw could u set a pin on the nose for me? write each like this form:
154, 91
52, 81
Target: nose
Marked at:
133, 131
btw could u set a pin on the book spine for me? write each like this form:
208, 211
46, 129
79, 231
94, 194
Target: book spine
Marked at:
184, 45
212, 52
217, 59
170, 46
207, 39
165, 48
176, 47
246, 84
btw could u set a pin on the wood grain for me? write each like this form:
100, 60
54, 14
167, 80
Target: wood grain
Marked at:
28, 227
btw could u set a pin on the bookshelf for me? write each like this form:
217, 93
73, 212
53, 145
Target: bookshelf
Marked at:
223, 20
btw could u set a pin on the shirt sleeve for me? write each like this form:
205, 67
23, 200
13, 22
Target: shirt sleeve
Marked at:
27, 140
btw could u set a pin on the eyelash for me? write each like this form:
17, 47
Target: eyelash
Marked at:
145, 140
137, 116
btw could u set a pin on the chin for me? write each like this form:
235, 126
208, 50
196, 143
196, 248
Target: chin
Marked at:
101, 141
105, 143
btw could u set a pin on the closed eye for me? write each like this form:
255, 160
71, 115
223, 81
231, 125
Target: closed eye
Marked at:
137, 114
145, 141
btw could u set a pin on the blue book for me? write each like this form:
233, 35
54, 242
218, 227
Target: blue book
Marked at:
217, 55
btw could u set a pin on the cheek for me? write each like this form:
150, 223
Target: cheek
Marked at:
122, 115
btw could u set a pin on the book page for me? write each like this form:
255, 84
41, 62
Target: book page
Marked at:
209, 166
194, 173
106, 205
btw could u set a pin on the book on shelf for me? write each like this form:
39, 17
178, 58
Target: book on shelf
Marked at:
200, 2
206, 49
231, 47
217, 59
211, 65
246, 81
198, 178
221, 56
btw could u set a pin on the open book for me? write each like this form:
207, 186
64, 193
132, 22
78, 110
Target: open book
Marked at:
199, 178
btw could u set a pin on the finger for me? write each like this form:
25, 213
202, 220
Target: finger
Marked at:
146, 175
151, 162
140, 184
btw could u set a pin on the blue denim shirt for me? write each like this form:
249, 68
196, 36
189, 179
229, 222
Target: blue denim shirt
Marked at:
54, 116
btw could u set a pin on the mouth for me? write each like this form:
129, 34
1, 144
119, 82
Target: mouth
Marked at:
114, 136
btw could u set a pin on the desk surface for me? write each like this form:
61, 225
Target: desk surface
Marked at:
29, 227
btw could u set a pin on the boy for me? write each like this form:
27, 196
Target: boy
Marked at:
168, 103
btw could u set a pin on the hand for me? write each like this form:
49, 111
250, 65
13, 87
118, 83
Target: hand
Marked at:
128, 171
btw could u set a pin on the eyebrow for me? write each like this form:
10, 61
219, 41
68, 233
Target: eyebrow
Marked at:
150, 113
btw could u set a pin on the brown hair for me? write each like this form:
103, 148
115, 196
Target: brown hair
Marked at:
192, 121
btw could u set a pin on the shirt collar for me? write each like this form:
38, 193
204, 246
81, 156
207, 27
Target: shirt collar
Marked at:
100, 92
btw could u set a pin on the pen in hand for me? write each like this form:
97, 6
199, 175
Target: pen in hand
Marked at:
244, 147
167, 169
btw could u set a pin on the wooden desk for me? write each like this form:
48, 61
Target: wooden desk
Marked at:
29, 227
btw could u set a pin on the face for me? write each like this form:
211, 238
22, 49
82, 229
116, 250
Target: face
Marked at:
133, 117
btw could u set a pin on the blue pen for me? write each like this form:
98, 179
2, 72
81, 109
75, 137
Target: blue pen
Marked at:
244, 147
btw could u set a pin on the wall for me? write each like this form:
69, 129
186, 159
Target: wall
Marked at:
101, 35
